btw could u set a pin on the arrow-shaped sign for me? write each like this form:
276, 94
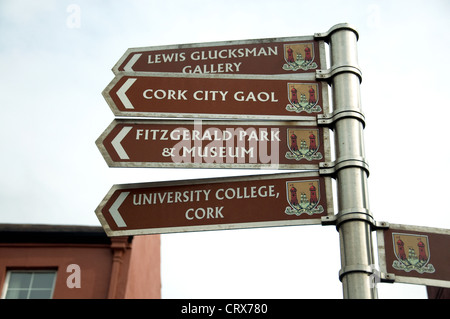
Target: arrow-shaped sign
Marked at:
290, 55
216, 204
414, 254
215, 144
245, 97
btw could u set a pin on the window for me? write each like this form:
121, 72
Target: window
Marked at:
37, 284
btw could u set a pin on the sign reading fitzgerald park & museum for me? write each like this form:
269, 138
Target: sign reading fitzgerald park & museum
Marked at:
215, 144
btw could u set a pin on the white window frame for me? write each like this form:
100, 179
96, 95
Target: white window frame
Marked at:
32, 271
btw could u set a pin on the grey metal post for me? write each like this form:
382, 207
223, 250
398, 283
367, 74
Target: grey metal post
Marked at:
354, 221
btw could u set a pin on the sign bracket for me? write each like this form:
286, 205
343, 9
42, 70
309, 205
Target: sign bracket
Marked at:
387, 278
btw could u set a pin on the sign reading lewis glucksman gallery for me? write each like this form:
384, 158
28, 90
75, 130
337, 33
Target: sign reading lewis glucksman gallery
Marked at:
261, 56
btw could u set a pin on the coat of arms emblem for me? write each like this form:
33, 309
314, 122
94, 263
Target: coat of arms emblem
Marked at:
303, 198
303, 144
412, 253
303, 97
299, 56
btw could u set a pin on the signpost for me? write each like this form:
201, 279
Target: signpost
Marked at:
215, 144
181, 95
257, 80
414, 254
216, 204
261, 56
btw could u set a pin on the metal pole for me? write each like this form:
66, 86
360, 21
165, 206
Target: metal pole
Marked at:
354, 221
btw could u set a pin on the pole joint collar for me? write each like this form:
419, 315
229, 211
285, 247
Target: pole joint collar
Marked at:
329, 119
376, 275
350, 214
355, 268
327, 75
331, 168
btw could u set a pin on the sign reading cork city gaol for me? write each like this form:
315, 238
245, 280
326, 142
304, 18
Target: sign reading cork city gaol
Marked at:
417, 255
261, 56
216, 204
225, 96
215, 144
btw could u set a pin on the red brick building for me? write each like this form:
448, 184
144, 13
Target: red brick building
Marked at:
77, 262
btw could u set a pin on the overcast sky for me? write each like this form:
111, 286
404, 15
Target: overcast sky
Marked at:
56, 58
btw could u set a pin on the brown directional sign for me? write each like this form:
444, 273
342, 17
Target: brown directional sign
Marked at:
214, 144
260, 56
216, 204
414, 254
245, 97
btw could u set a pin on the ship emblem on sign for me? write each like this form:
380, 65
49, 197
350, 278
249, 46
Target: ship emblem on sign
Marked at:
303, 144
303, 198
299, 56
412, 253
303, 97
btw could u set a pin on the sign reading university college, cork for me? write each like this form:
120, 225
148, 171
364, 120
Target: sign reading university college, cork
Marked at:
216, 204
